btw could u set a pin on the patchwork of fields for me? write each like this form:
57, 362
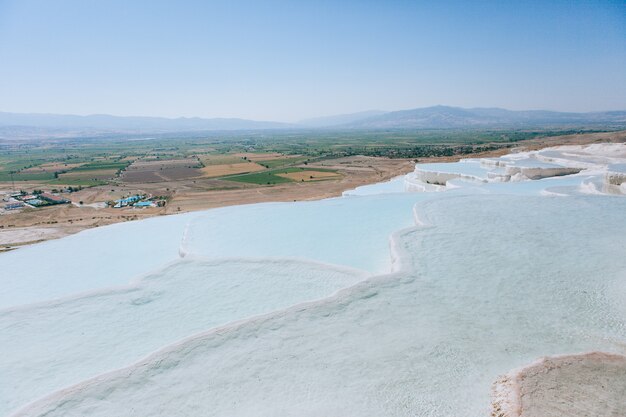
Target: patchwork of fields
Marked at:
215, 162
85, 167
161, 170
230, 169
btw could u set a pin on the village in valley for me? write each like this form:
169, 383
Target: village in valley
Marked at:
16, 201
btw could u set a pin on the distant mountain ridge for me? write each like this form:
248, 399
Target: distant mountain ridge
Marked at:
436, 117
108, 122
457, 117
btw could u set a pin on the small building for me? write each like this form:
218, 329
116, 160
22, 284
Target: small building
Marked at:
13, 205
127, 201
145, 204
54, 199
35, 202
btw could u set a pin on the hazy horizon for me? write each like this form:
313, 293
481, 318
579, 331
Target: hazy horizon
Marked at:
287, 62
305, 119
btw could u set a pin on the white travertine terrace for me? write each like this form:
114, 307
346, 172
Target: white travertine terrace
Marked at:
609, 159
440, 178
535, 173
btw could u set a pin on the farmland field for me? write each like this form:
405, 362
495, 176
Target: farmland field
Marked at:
260, 178
280, 176
51, 168
309, 175
100, 165
230, 169
161, 170
96, 174
281, 162
220, 159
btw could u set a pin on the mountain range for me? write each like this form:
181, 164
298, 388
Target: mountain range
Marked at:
456, 117
133, 123
436, 117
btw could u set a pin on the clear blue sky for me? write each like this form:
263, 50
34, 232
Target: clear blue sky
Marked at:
280, 60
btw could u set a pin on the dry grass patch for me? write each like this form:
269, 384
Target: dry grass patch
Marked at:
310, 176
230, 169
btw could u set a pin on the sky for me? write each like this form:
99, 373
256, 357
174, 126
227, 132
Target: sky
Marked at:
289, 60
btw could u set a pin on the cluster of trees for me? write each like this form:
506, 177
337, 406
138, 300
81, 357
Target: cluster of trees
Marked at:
420, 151
53, 191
